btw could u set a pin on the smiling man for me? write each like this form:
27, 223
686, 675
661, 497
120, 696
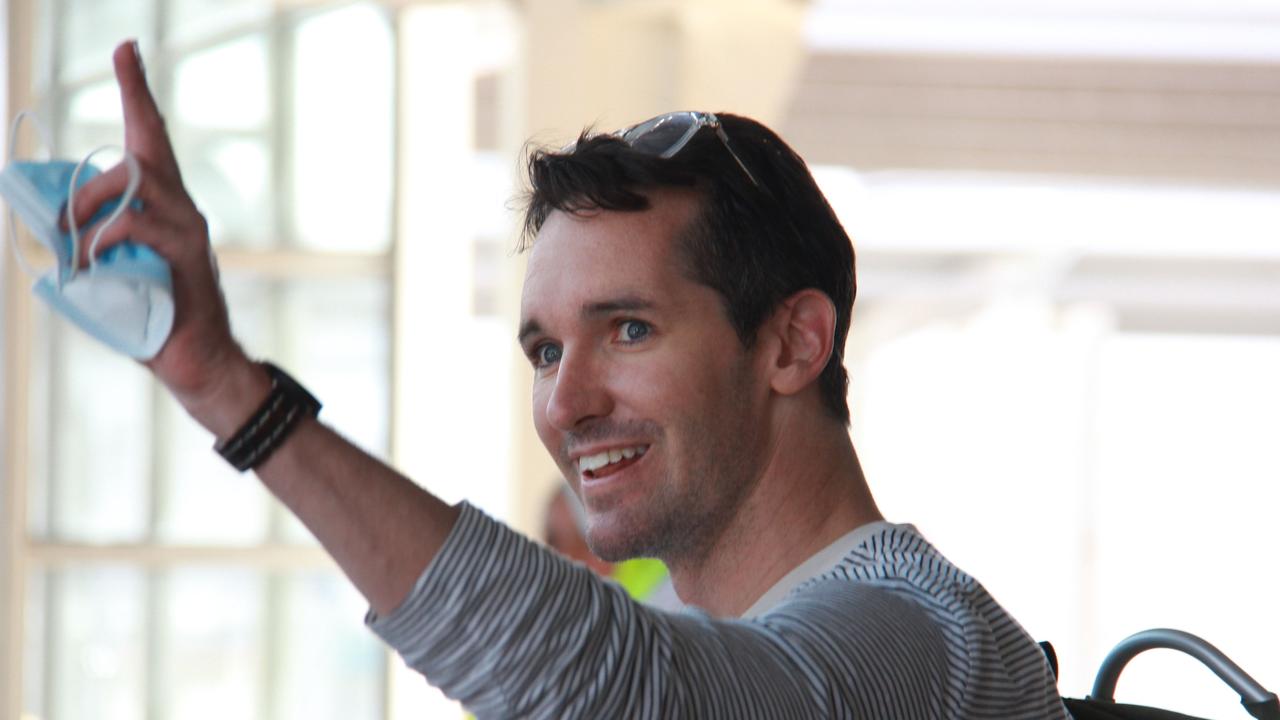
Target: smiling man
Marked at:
686, 303
654, 432
679, 438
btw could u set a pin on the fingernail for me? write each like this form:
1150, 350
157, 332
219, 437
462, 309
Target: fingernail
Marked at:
137, 54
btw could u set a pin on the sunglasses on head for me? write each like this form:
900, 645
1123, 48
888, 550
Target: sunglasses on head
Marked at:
666, 135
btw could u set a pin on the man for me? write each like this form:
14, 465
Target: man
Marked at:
687, 297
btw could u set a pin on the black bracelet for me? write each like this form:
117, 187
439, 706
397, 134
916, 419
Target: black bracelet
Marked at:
285, 407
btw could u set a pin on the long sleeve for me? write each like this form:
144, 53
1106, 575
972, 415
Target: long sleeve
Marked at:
513, 630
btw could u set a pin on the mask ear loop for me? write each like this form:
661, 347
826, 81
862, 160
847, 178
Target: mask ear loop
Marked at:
135, 178
43, 132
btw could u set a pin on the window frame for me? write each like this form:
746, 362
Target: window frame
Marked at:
25, 411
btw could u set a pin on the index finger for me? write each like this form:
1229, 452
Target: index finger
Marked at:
144, 131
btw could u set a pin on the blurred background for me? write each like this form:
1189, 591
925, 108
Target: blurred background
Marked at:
1067, 220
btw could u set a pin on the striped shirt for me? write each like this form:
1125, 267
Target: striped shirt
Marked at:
892, 631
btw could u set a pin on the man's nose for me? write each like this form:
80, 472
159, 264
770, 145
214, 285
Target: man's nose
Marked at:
579, 393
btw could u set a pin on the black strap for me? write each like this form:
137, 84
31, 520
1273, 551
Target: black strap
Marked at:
287, 405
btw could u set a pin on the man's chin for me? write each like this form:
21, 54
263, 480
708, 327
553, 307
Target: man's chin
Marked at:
616, 542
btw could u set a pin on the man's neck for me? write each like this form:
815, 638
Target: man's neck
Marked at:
811, 492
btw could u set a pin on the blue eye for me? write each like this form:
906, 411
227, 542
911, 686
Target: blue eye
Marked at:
633, 331
546, 354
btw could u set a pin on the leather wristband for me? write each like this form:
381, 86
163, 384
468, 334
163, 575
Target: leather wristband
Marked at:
286, 406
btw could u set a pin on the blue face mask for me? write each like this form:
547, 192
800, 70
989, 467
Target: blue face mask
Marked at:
125, 299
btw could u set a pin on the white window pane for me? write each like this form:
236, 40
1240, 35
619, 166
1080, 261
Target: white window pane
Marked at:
337, 335
96, 104
333, 331
343, 130
333, 334
254, 305
96, 663
331, 665
225, 87
43, 45
91, 29
99, 441
93, 119
192, 20
205, 501
230, 180
212, 662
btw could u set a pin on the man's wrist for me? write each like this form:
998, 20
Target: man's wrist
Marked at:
239, 391
288, 405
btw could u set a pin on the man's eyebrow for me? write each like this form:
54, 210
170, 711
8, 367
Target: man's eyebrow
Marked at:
527, 328
612, 305
625, 303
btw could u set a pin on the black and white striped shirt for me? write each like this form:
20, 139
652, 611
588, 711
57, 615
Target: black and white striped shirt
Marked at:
892, 631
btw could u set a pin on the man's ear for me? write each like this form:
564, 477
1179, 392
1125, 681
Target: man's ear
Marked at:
804, 326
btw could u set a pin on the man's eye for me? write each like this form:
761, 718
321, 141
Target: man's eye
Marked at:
631, 331
545, 355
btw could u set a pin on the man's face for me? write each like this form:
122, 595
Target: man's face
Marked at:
642, 393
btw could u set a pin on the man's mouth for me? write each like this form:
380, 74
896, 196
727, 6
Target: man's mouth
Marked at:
610, 461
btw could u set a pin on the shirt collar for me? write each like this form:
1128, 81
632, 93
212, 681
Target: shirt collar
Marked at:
818, 563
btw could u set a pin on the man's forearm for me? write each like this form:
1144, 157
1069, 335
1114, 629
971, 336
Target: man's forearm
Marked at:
381, 528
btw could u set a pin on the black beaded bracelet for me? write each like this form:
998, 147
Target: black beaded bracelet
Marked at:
286, 405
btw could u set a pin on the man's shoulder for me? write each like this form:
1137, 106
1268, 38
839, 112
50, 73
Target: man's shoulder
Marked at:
898, 555
886, 579
895, 592
896, 560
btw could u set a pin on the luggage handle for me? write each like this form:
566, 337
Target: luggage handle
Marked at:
1257, 700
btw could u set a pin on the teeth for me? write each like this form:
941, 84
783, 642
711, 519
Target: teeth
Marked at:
587, 463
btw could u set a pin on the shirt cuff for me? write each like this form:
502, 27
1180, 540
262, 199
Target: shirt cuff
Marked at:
401, 620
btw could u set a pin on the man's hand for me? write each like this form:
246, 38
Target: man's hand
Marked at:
201, 363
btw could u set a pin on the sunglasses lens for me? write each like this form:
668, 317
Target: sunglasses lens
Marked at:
666, 135
662, 136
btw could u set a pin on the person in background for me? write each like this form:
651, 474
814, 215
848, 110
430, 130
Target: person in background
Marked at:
644, 579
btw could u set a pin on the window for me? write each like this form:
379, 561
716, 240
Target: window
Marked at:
1088, 367
154, 581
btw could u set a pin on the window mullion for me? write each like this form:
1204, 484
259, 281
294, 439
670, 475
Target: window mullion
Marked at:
273, 656
154, 681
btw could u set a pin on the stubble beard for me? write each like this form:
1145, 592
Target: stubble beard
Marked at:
699, 495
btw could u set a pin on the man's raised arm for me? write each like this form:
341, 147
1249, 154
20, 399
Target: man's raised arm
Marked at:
382, 529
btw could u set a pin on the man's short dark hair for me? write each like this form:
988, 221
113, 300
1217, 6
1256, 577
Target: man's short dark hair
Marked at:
754, 245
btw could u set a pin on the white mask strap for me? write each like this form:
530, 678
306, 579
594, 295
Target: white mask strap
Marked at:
12, 150
41, 130
135, 177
